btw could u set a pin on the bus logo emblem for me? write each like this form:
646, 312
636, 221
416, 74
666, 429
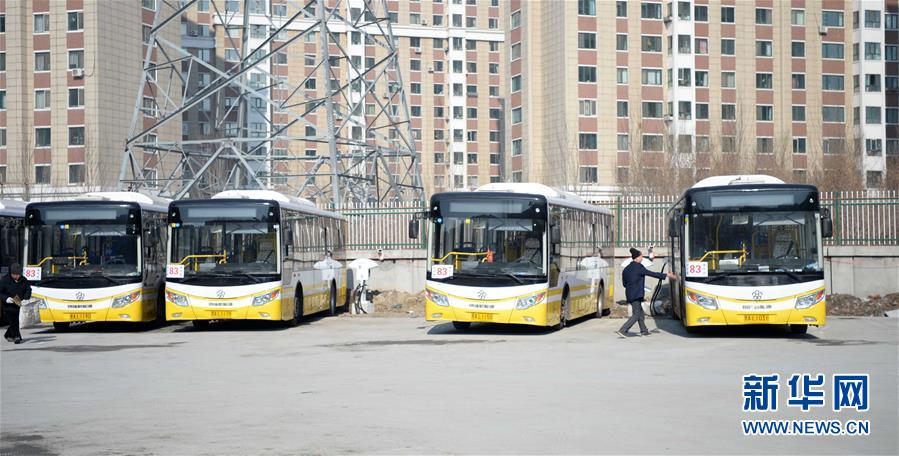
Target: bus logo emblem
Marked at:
79, 296
482, 295
220, 294
757, 295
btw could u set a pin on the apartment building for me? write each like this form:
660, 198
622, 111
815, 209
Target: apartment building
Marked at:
69, 73
451, 62
606, 94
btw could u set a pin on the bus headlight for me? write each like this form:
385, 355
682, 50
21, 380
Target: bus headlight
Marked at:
264, 299
437, 298
706, 302
178, 299
41, 304
123, 301
804, 302
530, 301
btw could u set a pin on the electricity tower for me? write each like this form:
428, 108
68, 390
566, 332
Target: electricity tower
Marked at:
305, 98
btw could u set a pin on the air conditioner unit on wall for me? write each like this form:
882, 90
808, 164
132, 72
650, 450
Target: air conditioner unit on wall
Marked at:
822, 30
78, 73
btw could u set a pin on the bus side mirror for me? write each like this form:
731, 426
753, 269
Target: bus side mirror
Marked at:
555, 234
413, 229
672, 226
826, 224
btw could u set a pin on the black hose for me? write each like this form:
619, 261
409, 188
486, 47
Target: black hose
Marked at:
655, 292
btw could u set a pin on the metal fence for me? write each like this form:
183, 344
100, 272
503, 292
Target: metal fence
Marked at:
860, 218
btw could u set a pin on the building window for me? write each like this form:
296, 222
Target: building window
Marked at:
652, 77
586, 7
683, 44
728, 79
42, 99
651, 43
41, 61
701, 13
702, 78
703, 144
621, 109
2, 99
798, 113
891, 21
623, 142
651, 10
701, 46
516, 115
729, 112
652, 109
798, 81
832, 18
874, 147
42, 174
41, 23
872, 115
76, 60
728, 47
515, 51
516, 83
798, 145
621, 9
798, 48
872, 19
620, 41
872, 83
514, 20
621, 75
42, 137
727, 14
702, 111
892, 115
873, 179
589, 175
764, 81
763, 49
516, 147
832, 51
586, 74
797, 17
764, 145
653, 143
890, 54
684, 110
763, 16
684, 77
76, 173
75, 21
2, 138
833, 114
586, 141
832, 82
872, 51
587, 107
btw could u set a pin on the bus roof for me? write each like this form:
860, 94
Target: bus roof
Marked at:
552, 195
741, 179
12, 208
285, 201
146, 202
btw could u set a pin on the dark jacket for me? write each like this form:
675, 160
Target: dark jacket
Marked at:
10, 288
633, 277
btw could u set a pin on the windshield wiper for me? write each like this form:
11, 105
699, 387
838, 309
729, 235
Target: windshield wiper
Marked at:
100, 275
790, 274
246, 274
720, 276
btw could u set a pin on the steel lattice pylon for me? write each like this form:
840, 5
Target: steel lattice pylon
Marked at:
331, 125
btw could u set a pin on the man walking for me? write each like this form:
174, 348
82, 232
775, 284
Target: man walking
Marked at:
13, 290
634, 277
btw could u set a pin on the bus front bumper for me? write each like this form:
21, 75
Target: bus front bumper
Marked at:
136, 312
535, 315
815, 315
269, 311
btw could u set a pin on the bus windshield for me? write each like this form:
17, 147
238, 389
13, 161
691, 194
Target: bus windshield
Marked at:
491, 236
83, 249
755, 241
223, 240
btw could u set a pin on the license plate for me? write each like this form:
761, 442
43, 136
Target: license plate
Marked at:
221, 313
756, 318
480, 316
79, 316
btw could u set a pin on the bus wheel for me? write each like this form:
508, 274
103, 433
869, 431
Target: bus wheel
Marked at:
563, 310
200, 325
61, 325
798, 329
332, 298
600, 302
461, 325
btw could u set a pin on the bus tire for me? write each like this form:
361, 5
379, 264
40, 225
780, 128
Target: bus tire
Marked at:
200, 325
601, 301
563, 308
298, 305
332, 299
61, 325
461, 325
798, 329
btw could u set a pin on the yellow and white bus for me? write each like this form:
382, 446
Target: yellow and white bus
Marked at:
516, 253
747, 250
253, 255
97, 257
